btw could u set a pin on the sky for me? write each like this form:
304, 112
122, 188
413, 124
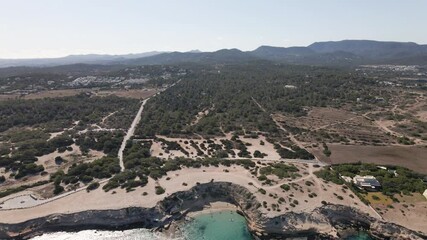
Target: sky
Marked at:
56, 28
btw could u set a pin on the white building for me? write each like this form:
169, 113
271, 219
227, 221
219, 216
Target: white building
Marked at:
369, 183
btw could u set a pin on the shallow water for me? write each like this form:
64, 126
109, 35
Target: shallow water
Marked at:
226, 225
360, 236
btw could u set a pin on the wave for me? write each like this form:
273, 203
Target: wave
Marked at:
133, 234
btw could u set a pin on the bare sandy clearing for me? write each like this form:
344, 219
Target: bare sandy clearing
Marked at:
252, 145
98, 199
411, 214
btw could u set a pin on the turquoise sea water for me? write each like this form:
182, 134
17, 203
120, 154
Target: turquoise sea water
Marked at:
360, 236
225, 225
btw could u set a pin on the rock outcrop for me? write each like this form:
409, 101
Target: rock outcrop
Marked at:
320, 222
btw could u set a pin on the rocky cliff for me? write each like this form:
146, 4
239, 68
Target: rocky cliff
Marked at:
174, 207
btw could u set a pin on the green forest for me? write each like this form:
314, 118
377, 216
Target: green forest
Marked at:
231, 95
25, 127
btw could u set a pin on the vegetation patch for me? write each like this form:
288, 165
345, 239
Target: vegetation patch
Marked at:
281, 170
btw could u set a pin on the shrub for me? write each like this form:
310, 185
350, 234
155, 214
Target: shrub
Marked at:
2, 179
92, 186
159, 190
375, 197
285, 187
308, 183
59, 160
58, 189
262, 178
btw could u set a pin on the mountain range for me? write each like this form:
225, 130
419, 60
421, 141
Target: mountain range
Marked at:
340, 53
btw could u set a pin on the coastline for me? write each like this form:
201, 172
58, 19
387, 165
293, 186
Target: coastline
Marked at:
171, 210
212, 208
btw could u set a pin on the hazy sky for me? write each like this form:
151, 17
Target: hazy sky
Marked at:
52, 28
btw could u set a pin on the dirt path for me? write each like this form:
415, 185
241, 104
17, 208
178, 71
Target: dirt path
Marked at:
130, 133
16, 202
109, 115
259, 105
291, 136
335, 123
135, 122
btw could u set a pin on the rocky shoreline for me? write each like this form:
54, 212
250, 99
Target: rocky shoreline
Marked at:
326, 222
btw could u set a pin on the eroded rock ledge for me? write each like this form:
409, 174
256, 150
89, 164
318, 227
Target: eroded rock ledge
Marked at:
319, 222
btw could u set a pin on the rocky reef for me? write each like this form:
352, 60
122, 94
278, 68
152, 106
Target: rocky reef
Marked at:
324, 222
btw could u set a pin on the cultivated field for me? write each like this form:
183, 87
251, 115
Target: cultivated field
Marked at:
412, 157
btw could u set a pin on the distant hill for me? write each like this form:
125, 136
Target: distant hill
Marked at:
73, 59
222, 56
340, 53
371, 49
280, 53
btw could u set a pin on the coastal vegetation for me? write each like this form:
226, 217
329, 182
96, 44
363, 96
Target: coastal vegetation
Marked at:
393, 179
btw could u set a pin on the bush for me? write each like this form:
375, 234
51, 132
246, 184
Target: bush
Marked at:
262, 191
58, 189
329, 175
309, 183
258, 154
159, 190
2, 179
262, 178
92, 186
110, 185
285, 187
326, 150
375, 197
59, 160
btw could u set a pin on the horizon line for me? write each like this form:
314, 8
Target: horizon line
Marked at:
187, 51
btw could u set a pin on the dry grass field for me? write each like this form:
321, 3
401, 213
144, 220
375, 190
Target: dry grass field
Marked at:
44, 94
378, 198
412, 157
131, 93
410, 211
336, 125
